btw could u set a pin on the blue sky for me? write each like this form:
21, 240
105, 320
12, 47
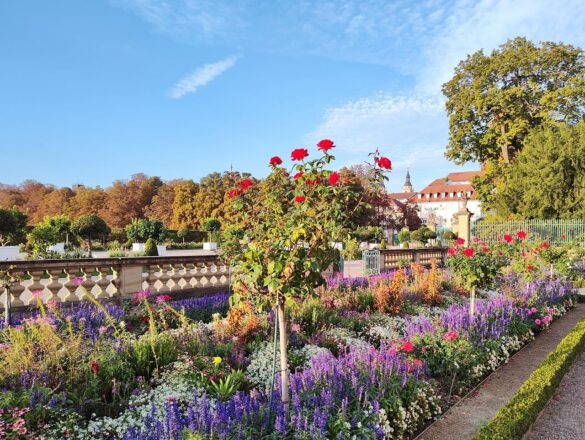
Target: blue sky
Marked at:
93, 91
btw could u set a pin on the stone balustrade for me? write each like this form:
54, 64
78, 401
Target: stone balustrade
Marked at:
112, 278
393, 258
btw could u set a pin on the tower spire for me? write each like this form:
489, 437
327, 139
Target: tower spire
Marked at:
407, 188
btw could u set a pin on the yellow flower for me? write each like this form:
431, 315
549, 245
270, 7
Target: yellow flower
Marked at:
217, 360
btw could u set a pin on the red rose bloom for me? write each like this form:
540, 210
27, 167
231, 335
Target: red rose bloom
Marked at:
299, 199
298, 175
385, 163
232, 193
508, 238
468, 252
325, 145
460, 240
521, 235
544, 245
95, 367
299, 154
333, 178
275, 161
407, 347
530, 267
563, 236
485, 250
451, 251
245, 184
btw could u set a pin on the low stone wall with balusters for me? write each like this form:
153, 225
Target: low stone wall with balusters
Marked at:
393, 258
113, 278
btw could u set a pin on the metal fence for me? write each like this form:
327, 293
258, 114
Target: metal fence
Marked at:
554, 230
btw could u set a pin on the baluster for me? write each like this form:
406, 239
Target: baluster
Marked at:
71, 285
191, 276
87, 283
115, 282
164, 278
36, 285
16, 291
152, 278
103, 282
177, 274
54, 285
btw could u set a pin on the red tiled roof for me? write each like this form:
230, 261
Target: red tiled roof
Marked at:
453, 183
401, 195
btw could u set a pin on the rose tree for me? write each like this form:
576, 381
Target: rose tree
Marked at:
289, 224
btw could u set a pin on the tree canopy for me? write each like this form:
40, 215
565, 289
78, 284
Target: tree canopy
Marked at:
493, 101
545, 180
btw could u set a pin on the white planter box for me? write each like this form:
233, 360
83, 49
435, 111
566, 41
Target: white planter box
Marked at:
209, 246
138, 247
59, 248
162, 250
9, 253
353, 268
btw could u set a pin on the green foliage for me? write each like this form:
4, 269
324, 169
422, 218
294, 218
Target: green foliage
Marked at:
383, 244
226, 387
12, 226
89, 227
404, 236
493, 101
478, 269
212, 225
140, 230
151, 353
351, 249
514, 419
449, 235
368, 233
544, 181
150, 249
423, 234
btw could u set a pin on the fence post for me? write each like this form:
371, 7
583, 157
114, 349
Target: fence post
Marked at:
464, 225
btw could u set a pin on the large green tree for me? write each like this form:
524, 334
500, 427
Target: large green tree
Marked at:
493, 101
545, 180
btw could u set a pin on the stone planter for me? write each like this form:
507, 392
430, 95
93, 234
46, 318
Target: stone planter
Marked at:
8, 253
58, 248
209, 246
162, 250
138, 247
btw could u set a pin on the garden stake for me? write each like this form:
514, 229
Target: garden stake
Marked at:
274, 356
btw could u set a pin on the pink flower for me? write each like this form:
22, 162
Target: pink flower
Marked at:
450, 336
392, 351
163, 298
533, 310
521, 235
508, 238
468, 252
78, 280
546, 319
460, 240
451, 251
537, 321
295, 328
102, 330
143, 294
551, 310
37, 293
52, 303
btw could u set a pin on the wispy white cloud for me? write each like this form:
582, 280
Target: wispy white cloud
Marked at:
200, 77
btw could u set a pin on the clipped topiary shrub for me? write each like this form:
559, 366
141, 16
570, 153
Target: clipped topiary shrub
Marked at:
150, 249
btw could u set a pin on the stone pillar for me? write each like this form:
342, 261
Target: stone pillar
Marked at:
464, 225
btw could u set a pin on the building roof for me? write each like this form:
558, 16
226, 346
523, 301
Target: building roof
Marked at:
454, 187
401, 195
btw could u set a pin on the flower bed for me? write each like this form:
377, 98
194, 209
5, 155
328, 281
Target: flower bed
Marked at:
376, 358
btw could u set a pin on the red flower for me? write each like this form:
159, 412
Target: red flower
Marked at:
298, 175
485, 250
163, 298
233, 193
563, 236
245, 184
460, 240
325, 145
508, 238
299, 199
275, 160
544, 245
530, 267
408, 347
95, 367
468, 252
333, 178
385, 163
500, 253
451, 251
521, 235
299, 154
523, 254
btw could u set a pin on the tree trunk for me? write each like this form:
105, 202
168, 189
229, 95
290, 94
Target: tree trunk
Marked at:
505, 150
472, 302
283, 354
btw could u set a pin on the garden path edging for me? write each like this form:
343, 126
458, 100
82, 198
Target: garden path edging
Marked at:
478, 407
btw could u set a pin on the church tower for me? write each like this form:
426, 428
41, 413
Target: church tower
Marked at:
407, 188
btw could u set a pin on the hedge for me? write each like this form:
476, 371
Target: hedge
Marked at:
514, 419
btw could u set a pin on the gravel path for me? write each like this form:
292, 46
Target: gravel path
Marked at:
464, 419
563, 418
